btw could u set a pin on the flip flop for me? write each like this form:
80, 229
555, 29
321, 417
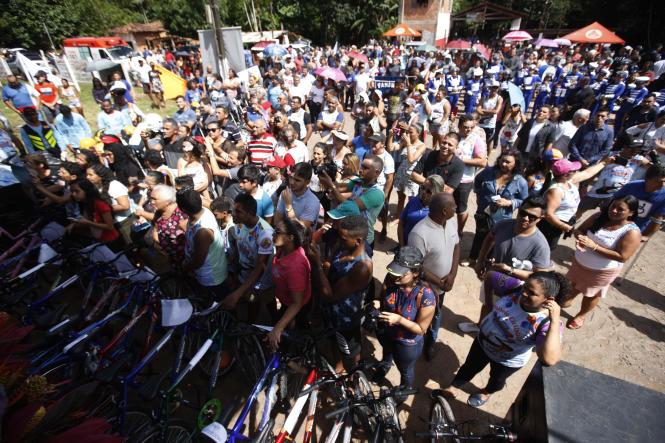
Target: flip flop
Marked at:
574, 324
476, 400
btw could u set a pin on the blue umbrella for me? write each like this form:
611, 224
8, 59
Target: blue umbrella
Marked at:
516, 95
274, 50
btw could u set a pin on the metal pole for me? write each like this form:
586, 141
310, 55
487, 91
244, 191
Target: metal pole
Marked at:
216, 25
48, 34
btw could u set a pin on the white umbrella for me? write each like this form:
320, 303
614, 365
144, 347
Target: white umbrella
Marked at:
563, 41
517, 36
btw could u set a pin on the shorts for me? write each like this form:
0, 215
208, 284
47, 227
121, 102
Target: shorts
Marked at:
461, 196
146, 88
349, 341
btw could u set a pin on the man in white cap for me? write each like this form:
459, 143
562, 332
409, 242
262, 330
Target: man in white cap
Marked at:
473, 88
454, 86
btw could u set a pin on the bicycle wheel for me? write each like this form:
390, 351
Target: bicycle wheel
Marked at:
390, 417
249, 353
363, 416
136, 423
441, 416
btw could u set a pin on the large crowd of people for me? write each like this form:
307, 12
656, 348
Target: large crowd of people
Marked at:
273, 195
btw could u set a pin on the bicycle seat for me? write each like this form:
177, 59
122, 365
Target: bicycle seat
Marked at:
150, 389
50, 318
107, 375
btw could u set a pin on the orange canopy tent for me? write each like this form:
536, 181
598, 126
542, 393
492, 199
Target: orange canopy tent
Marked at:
594, 33
402, 30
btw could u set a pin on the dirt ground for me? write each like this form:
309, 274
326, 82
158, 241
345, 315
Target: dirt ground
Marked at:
624, 337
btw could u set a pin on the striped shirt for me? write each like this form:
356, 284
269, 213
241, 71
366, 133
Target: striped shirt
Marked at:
261, 149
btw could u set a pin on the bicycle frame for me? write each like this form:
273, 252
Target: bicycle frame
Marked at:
235, 433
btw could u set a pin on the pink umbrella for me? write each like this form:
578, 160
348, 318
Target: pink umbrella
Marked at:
358, 56
517, 36
546, 43
482, 50
331, 73
458, 44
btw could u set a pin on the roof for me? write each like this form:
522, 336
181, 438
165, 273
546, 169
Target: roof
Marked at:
255, 37
130, 28
489, 11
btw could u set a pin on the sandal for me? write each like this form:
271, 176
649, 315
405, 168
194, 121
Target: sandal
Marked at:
476, 400
574, 323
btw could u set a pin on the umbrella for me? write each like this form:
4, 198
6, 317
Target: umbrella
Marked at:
260, 46
402, 30
594, 33
331, 73
563, 41
274, 50
358, 56
517, 36
516, 96
546, 43
458, 44
427, 48
482, 50
100, 65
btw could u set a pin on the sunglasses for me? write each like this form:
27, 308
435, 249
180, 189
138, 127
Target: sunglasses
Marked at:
213, 129
531, 217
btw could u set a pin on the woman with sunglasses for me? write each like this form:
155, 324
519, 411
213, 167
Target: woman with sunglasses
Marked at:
191, 163
418, 207
604, 242
291, 274
500, 189
525, 319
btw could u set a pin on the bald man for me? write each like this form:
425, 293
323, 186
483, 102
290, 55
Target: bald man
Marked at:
436, 238
261, 145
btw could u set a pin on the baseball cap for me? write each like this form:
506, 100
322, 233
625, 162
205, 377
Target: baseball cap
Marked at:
564, 166
41, 74
552, 154
642, 79
408, 257
477, 71
378, 93
420, 87
344, 209
493, 84
378, 137
410, 102
340, 135
277, 162
117, 85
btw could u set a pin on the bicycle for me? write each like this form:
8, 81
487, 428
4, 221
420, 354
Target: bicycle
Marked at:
444, 429
384, 407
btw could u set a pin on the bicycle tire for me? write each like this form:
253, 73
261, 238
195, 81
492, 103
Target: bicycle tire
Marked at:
390, 417
363, 416
137, 423
209, 360
442, 414
249, 354
175, 433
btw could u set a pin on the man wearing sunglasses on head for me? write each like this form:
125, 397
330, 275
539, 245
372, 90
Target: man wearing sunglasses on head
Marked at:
511, 242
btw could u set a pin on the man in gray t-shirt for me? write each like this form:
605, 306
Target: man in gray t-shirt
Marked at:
517, 238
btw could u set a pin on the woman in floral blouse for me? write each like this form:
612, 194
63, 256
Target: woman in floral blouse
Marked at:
170, 224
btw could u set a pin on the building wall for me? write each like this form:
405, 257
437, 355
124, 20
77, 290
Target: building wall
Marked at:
430, 17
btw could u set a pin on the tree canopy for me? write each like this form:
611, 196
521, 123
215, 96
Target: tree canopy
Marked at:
344, 21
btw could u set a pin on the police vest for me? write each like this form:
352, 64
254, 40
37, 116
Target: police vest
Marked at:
37, 140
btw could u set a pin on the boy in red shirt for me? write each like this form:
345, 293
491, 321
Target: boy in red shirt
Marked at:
48, 95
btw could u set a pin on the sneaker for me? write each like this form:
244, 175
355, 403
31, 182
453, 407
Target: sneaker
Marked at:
468, 327
467, 262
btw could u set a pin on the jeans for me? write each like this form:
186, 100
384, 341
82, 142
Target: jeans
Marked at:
476, 362
433, 330
404, 356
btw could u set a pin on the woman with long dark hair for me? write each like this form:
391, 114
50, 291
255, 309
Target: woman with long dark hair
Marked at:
97, 220
500, 189
604, 242
116, 194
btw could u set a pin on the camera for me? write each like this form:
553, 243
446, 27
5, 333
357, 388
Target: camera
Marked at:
328, 168
371, 320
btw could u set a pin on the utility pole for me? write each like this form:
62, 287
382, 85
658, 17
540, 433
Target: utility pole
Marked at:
216, 29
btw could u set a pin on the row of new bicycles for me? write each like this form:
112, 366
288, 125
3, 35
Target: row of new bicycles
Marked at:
96, 347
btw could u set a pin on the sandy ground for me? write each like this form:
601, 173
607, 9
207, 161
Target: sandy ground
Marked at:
624, 337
